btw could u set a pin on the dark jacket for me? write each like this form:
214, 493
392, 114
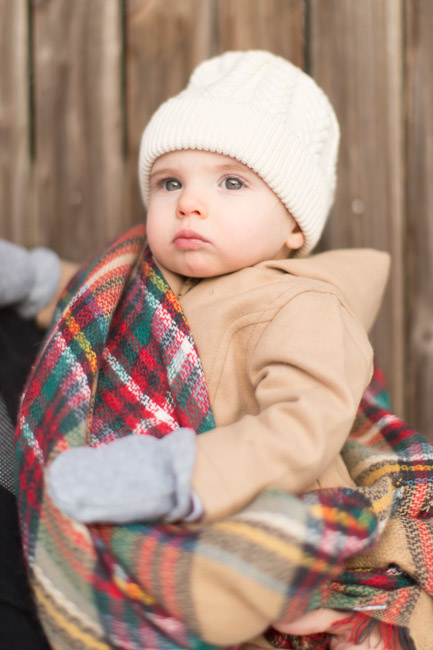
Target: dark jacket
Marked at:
19, 626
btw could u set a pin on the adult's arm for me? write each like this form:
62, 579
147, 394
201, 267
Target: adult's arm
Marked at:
45, 315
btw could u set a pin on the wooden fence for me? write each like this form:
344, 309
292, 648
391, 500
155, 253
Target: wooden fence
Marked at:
80, 78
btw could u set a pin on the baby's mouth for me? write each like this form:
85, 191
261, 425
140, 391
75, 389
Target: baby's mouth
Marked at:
189, 240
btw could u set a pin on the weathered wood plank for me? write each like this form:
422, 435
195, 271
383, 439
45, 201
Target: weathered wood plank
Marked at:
78, 129
275, 25
15, 183
419, 65
355, 52
165, 39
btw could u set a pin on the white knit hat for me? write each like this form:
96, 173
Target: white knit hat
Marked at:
268, 114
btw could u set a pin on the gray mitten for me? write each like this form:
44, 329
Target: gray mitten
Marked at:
28, 279
135, 478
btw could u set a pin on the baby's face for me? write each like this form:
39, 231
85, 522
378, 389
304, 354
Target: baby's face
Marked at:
209, 214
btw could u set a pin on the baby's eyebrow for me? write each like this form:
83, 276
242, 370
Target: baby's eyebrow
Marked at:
233, 167
163, 172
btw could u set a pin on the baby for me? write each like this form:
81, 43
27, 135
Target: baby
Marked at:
238, 175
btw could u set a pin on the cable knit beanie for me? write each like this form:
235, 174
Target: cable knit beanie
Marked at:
265, 112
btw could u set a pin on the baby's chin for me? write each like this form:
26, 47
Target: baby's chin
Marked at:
197, 268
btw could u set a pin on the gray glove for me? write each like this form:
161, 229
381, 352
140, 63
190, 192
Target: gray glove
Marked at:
135, 478
28, 279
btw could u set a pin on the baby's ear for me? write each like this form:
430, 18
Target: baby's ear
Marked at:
295, 239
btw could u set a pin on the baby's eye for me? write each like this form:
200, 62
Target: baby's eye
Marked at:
171, 184
233, 183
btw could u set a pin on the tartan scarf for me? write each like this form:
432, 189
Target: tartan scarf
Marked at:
119, 360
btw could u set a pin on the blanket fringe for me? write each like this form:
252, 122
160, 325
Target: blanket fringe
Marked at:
361, 625
393, 637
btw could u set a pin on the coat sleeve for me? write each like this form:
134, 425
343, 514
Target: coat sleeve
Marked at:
308, 368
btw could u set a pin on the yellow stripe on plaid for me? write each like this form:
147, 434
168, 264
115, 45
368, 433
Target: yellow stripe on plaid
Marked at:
393, 468
133, 590
84, 344
291, 552
88, 641
383, 504
161, 285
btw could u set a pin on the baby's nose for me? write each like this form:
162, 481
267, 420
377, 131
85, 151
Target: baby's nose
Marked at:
191, 204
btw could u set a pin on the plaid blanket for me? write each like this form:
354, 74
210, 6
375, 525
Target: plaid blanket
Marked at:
120, 360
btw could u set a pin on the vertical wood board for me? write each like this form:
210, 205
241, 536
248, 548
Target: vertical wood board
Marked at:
78, 127
275, 25
355, 53
419, 62
15, 176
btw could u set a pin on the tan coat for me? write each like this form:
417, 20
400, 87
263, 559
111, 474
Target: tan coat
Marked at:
286, 360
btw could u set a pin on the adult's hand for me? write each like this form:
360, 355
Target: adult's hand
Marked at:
28, 278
